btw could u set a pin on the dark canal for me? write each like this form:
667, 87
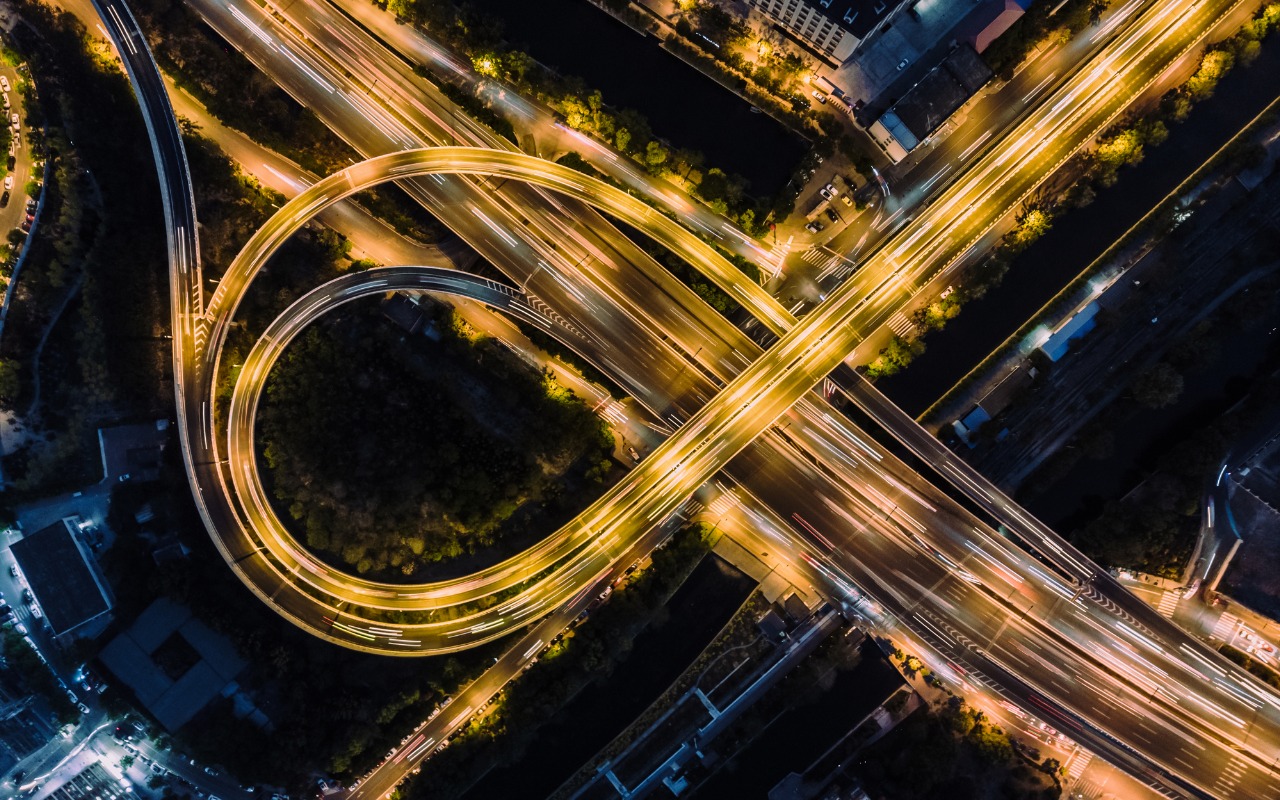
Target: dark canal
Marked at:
800, 735
695, 613
684, 106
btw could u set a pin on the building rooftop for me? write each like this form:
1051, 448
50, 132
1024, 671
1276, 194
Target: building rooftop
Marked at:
62, 576
858, 17
943, 90
173, 662
1080, 323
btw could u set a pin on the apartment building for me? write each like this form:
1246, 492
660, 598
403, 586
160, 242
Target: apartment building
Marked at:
830, 28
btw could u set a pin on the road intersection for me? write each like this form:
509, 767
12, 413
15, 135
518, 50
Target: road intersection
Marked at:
730, 422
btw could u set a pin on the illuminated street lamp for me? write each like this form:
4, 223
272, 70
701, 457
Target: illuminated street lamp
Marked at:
764, 48
485, 65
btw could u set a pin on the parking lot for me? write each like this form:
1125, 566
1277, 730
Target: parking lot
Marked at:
14, 213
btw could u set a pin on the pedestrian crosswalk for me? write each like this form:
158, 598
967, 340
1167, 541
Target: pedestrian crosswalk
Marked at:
900, 324
1225, 627
1168, 603
1078, 764
829, 263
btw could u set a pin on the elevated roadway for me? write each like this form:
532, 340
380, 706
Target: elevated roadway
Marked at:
730, 418
996, 563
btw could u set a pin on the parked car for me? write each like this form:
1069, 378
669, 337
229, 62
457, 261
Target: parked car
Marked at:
819, 96
4, 84
8, 182
846, 199
832, 215
28, 597
4, 200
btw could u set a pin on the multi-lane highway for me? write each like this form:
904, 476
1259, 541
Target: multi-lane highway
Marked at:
766, 390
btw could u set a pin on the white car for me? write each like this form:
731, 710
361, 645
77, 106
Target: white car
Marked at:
8, 182
4, 83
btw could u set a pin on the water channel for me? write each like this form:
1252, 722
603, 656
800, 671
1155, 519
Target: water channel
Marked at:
697, 611
685, 107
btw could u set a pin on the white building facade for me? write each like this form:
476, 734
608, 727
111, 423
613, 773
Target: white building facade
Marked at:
831, 28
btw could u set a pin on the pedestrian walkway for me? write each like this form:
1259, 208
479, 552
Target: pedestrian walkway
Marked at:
1168, 604
1225, 628
1078, 763
900, 324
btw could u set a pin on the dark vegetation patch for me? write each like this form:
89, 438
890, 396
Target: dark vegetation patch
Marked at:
395, 452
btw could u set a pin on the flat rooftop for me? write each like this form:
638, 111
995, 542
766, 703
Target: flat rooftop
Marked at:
173, 662
61, 576
856, 16
944, 89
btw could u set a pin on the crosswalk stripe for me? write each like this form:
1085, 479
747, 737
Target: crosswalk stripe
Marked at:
900, 324
1168, 603
1224, 627
1079, 764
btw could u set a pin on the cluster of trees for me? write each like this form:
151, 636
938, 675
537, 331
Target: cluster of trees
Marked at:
587, 653
953, 751
448, 446
114, 250
1153, 528
37, 678
479, 37
896, 356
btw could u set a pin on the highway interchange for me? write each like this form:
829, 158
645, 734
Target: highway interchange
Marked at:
951, 588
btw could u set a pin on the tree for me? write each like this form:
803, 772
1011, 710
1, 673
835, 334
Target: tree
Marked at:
685, 161
9, 384
1159, 386
655, 155
622, 139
